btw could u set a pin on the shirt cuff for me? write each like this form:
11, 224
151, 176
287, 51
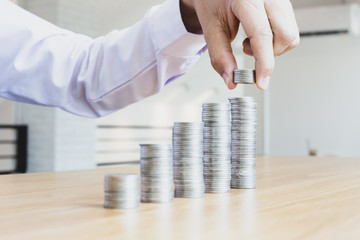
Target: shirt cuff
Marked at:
169, 33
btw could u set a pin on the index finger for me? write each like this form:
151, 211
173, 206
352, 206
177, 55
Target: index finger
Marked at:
253, 18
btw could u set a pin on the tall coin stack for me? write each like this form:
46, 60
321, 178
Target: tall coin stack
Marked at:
122, 191
217, 139
187, 156
156, 173
243, 142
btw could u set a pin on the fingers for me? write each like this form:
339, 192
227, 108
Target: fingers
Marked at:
247, 47
221, 55
253, 17
269, 24
283, 24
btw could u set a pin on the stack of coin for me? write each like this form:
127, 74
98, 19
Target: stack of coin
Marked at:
122, 191
243, 142
156, 173
187, 156
217, 139
246, 76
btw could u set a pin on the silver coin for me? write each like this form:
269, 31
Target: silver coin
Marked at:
188, 124
189, 195
188, 154
186, 161
217, 130
220, 169
121, 178
218, 172
216, 106
193, 183
243, 158
242, 171
188, 170
218, 191
209, 117
164, 188
150, 149
251, 184
154, 156
117, 205
243, 142
244, 76
216, 146
122, 191
225, 138
238, 100
217, 124
216, 158
121, 182
156, 200
164, 163
156, 173
219, 165
128, 194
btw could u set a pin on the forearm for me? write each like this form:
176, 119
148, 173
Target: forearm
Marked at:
50, 66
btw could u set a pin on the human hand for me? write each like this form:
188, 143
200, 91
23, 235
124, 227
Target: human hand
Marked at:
270, 27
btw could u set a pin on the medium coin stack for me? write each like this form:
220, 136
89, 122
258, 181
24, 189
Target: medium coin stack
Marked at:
217, 139
246, 76
243, 142
156, 173
187, 156
122, 191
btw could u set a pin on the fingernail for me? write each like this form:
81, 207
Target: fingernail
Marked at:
264, 83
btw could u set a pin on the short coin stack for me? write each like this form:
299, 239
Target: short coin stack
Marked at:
246, 76
156, 173
122, 191
187, 156
243, 142
217, 139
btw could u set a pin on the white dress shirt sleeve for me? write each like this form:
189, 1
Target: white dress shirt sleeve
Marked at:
43, 64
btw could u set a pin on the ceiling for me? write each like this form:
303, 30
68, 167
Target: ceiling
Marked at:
308, 3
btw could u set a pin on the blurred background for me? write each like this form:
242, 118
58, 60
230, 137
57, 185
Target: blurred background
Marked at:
311, 107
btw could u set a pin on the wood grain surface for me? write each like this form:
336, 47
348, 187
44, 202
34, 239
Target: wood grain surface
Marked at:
296, 198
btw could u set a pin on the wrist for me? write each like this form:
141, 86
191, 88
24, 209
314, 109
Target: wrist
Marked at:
189, 17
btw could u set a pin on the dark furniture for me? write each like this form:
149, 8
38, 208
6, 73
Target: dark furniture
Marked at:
20, 140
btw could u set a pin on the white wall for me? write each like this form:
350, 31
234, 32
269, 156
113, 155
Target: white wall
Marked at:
315, 95
309, 3
118, 14
6, 111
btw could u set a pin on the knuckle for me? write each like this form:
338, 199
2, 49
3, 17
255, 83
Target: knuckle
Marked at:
290, 40
216, 62
262, 33
250, 4
296, 41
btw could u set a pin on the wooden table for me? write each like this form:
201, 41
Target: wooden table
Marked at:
296, 198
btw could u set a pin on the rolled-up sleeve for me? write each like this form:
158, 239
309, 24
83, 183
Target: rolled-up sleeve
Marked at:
43, 64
